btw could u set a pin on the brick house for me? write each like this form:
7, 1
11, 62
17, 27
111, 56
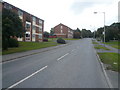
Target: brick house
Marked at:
63, 31
33, 25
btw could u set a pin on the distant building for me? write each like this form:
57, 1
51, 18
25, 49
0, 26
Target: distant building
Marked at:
33, 25
63, 31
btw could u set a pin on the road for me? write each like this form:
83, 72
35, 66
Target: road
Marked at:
73, 66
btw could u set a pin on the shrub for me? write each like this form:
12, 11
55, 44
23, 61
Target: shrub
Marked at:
60, 40
13, 42
4, 44
45, 40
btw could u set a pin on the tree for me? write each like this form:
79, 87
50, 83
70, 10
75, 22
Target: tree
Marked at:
86, 33
46, 34
77, 33
112, 32
11, 26
52, 32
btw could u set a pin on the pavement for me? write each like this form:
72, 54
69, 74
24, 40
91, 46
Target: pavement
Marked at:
71, 66
112, 75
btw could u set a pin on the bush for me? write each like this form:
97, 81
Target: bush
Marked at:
4, 44
60, 40
13, 42
45, 40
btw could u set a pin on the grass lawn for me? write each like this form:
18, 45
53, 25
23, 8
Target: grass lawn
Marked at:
26, 46
111, 59
100, 47
114, 44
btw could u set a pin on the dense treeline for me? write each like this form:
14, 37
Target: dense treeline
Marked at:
112, 32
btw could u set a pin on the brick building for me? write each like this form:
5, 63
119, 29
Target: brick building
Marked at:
33, 25
63, 31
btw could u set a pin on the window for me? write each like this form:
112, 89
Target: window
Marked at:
40, 29
40, 36
27, 26
40, 22
27, 35
20, 13
34, 19
61, 31
33, 35
61, 27
34, 27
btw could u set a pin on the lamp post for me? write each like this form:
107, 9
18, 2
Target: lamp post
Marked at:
104, 25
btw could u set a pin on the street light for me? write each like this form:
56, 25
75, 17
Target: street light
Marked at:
104, 24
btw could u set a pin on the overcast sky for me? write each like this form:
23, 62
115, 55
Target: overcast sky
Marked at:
73, 13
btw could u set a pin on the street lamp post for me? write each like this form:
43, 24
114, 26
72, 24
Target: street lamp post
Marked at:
104, 25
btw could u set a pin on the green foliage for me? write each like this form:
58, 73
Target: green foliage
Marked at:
77, 33
60, 40
101, 47
86, 33
112, 32
26, 46
46, 34
111, 59
4, 44
11, 26
52, 32
13, 42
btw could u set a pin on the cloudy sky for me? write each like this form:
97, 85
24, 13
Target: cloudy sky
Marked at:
73, 13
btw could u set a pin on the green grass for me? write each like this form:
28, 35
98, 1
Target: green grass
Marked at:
101, 47
63, 38
114, 44
94, 42
111, 59
26, 46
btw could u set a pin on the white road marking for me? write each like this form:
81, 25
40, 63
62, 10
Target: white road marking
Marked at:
26, 78
62, 56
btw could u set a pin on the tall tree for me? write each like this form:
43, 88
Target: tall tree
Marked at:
11, 26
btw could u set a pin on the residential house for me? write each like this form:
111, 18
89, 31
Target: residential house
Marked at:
63, 31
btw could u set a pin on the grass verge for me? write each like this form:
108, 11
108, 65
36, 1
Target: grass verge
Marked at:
100, 47
114, 44
26, 46
94, 42
111, 59
63, 38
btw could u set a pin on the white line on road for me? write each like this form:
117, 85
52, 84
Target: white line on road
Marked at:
26, 78
62, 56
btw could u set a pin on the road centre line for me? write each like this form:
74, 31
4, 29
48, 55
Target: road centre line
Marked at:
62, 56
26, 78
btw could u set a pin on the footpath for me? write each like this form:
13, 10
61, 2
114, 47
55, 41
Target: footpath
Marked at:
13, 56
112, 75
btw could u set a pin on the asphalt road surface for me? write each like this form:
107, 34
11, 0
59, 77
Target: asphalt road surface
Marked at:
73, 66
